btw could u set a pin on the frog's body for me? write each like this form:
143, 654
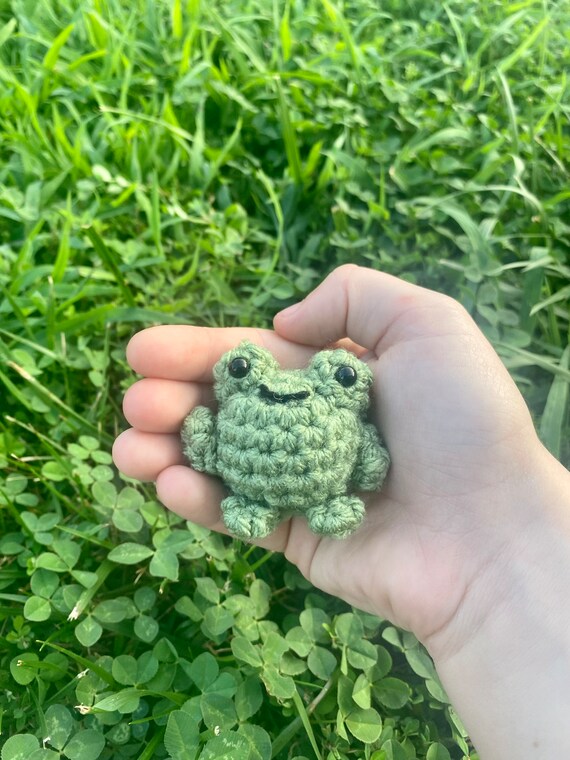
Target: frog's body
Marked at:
288, 441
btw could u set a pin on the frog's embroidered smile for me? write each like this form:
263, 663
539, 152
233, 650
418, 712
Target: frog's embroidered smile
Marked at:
281, 398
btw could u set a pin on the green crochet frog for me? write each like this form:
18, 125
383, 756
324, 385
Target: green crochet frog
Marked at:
288, 442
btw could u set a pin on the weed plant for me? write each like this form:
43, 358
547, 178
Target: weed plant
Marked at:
209, 162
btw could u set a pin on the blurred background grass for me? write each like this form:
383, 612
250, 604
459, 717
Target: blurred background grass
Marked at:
183, 161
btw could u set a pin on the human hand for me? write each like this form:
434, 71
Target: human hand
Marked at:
457, 429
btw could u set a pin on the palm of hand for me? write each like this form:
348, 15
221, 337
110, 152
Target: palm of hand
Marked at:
452, 444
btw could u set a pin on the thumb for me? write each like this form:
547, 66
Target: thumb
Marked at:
363, 305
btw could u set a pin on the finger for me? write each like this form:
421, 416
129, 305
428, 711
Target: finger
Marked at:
143, 455
160, 406
196, 497
363, 305
192, 495
186, 352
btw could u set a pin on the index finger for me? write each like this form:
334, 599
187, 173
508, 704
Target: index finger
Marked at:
188, 352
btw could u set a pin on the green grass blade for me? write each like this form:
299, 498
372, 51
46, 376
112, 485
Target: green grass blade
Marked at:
83, 661
224, 154
36, 347
197, 162
289, 136
529, 358
440, 138
149, 751
53, 400
560, 295
508, 98
481, 250
533, 279
7, 30
16, 393
512, 59
110, 313
133, 116
338, 19
108, 259
104, 569
155, 216
62, 258
18, 313
177, 28
285, 32
458, 34
555, 412
93, 56
298, 702
50, 58
246, 47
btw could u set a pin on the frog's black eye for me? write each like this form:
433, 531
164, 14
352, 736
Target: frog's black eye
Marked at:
346, 376
238, 367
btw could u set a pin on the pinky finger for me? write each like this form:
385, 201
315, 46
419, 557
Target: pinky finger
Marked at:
192, 495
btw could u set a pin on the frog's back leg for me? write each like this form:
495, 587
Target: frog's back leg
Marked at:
249, 519
337, 518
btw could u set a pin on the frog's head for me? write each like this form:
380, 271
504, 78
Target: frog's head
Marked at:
336, 377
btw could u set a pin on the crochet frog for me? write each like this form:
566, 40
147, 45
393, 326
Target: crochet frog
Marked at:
288, 442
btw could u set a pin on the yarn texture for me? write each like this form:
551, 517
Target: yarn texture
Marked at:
289, 442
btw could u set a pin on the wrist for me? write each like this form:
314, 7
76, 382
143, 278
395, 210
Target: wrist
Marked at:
504, 658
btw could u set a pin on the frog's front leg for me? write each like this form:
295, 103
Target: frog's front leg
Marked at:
249, 519
338, 517
373, 461
199, 438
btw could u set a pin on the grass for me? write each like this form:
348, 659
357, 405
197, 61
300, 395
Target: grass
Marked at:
210, 163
